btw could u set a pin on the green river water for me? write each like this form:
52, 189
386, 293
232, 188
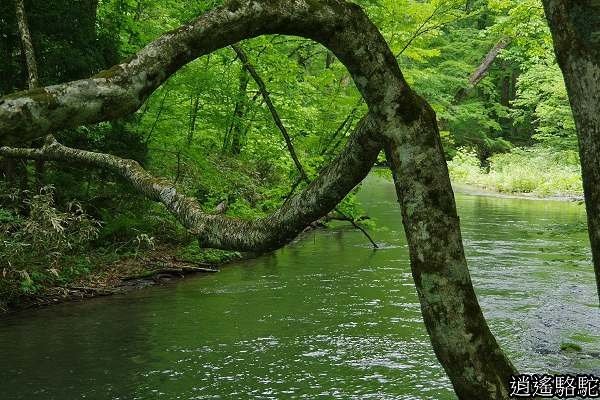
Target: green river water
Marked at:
326, 317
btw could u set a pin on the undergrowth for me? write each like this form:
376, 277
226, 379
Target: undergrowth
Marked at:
537, 170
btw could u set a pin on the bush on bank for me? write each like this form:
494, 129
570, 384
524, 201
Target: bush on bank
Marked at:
538, 170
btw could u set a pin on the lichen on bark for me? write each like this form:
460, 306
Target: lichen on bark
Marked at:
575, 27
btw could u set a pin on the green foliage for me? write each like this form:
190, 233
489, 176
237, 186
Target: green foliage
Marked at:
542, 101
70, 42
38, 244
465, 166
570, 347
194, 253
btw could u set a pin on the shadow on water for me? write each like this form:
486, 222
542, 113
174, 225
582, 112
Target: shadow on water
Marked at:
326, 317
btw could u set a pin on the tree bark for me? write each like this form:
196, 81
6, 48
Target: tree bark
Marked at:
237, 131
460, 335
575, 27
27, 45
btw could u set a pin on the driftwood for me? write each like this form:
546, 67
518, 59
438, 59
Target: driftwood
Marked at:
100, 291
172, 266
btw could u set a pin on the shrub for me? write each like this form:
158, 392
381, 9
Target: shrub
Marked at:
35, 245
539, 170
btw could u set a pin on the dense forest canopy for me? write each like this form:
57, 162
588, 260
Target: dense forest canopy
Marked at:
278, 127
522, 100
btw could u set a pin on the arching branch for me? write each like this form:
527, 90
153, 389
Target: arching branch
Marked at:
122, 89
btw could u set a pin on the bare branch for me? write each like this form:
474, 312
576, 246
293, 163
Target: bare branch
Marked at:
265, 94
487, 61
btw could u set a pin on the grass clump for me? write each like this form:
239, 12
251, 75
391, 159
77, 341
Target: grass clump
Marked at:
570, 347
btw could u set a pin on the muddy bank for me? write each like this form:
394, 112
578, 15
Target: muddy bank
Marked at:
156, 267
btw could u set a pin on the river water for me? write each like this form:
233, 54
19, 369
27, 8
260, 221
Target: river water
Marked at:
326, 317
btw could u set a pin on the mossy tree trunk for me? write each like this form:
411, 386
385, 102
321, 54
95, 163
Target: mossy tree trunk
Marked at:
236, 133
575, 27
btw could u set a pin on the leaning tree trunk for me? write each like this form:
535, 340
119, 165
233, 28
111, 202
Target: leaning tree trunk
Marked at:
460, 336
235, 134
397, 117
17, 168
482, 69
575, 27
27, 44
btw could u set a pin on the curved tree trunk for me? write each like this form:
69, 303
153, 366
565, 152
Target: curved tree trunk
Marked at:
222, 232
575, 27
397, 116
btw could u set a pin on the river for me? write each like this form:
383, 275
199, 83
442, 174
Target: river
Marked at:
326, 317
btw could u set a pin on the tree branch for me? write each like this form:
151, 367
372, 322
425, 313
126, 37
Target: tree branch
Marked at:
218, 231
487, 61
482, 69
265, 94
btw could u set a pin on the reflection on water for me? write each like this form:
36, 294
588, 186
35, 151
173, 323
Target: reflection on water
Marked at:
326, 317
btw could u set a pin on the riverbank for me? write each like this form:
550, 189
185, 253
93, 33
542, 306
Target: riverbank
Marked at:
536, 172
466, 184
168, 263
475, 190
161, 265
